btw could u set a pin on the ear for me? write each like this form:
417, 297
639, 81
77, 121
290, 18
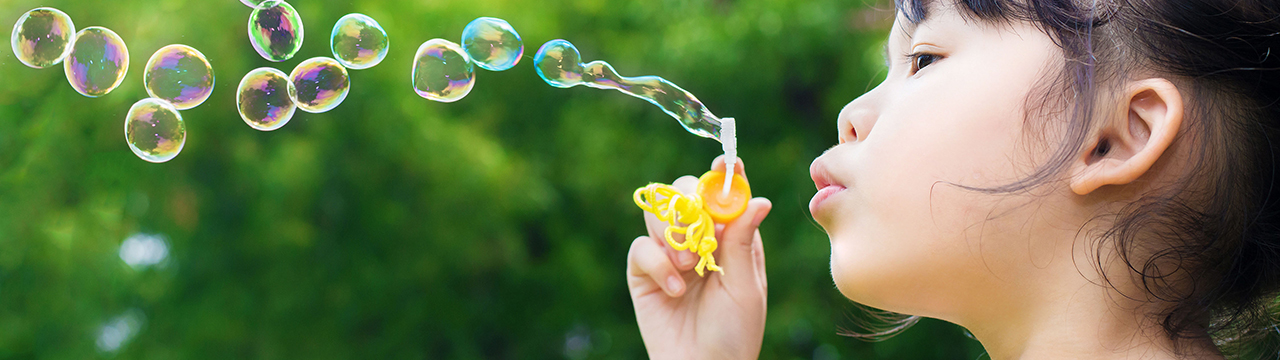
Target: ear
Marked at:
1147, 118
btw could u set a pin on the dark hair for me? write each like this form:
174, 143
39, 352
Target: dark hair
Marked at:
1208, 246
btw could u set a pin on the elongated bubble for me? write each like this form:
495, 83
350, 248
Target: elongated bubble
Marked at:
98, 61
180, 75
559, 64
492, 43
154, 130
263, 99
358, 42
275, 30
42, 37
442, 71
319, 84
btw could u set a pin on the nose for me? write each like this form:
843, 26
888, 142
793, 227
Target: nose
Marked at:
857, 118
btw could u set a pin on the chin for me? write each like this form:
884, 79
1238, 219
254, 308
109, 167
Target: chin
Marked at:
876, 281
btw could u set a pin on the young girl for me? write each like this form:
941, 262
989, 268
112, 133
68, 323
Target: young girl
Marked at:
1064, 178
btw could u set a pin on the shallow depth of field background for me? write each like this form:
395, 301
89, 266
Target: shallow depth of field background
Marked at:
394, 227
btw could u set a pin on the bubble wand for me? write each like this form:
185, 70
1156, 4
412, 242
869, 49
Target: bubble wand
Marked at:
559, 63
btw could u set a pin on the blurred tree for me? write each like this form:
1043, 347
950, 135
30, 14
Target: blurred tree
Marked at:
395, 227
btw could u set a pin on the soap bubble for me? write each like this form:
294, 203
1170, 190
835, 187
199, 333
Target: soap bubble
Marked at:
252, 3
263, 99
180, 75
275, 30
98, 61
492, 43
559, 63
319, 84
442, 71
358, 42
154, 130
42, 37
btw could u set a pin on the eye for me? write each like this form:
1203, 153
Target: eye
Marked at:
920, 60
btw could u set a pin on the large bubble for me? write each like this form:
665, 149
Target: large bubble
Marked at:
492, 43
180, 75
263, 99
98, 61
275, 30
319, 84
442, 71
154, 130
42, 37
358, 42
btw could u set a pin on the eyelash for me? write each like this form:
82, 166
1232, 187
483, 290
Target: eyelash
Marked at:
916, 59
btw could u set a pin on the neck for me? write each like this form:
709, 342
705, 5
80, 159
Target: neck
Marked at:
1085, 320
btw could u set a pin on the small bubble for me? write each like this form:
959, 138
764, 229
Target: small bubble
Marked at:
97, 63
263, 99
559, 64
358, 42
42, 37
319, 84
275, 30
442, 71
180, 75
154, 130
492, 43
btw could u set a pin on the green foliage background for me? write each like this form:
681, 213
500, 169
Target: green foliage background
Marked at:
398, 228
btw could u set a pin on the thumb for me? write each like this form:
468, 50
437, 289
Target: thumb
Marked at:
738, 241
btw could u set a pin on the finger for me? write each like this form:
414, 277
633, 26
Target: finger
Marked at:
649, 269
738, 168
686, 184
684, 260
736, 246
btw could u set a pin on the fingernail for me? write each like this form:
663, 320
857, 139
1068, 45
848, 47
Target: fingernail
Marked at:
674, 285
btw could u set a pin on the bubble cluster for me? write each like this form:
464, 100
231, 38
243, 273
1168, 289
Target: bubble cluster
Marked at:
154, 130
319, 84
97, 63
559, 63
42, 37
263, 99
492, 43
275, 30
442, 71
180, 75
358, 42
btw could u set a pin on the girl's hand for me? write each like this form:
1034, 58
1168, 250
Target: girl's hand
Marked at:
684, 316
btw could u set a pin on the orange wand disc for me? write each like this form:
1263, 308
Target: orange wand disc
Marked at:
723, 208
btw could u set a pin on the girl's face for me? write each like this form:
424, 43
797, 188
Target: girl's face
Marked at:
952, 111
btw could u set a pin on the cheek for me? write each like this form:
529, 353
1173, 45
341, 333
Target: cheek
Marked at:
906, 225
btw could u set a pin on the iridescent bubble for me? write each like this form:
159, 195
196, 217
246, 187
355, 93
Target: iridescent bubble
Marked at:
442, 71
559, 63
275, 30
252, 3
319, 84
154, 130
42, 37
180, 75
97, 63
492, 43
263, 99
358, 42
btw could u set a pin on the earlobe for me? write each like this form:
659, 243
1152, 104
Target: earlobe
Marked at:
1148, 118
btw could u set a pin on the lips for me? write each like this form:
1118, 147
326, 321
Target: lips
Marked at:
827, 187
